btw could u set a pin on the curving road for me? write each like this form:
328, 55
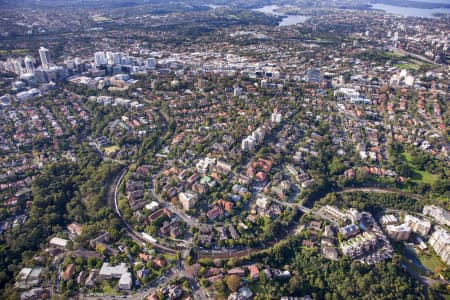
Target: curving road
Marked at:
194, 222
223, 254
131, 232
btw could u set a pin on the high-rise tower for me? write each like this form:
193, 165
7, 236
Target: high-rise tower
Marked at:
44, 53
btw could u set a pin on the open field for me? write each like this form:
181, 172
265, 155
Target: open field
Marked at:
419, 175
430, 260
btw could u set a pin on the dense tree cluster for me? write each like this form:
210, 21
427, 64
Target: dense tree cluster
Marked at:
323, 279
64, 192
372, 202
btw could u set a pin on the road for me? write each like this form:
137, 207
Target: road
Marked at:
136, 236
178, 272
193, 222
304, 209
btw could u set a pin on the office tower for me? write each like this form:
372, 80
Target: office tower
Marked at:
114, 58
44, 53
40, 76
17, 65
29, 64
99, 59
69, 64
117, 58
151, 63
237, 91
109, 58
395, 38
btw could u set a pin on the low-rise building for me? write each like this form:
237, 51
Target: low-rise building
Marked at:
119, 271
359, 245
135, 194
349, 230
333, 214
74, 228
233, 232
214, 212
224, 165
254, 272
152, 206
35, 294
262, 202
28, 277
125, 281
92, 278
171, 228
68, 272
58, 242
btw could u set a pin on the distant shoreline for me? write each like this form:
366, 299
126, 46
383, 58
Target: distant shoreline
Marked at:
413, 4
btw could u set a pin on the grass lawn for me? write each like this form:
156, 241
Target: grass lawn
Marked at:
110, 149
393, 54
430, 260
169, 257
100, 19
419, 175
409, 66
108, 289
19, 51
14, 51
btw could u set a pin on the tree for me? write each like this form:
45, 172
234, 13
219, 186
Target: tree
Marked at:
262, 278
220, 287
234, 282
100, 248
69, 245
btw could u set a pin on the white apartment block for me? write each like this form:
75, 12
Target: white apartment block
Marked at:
398, 232
440, 241
187, 200
438, 213
120, 271
417, 225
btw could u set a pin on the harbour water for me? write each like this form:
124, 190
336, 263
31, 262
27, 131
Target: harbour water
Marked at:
397, 10
410, 11
287, 19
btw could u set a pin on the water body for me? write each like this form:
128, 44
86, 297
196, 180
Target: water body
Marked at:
269, 10
216, 6
432, 1
287, 19
293, 19
410, 11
